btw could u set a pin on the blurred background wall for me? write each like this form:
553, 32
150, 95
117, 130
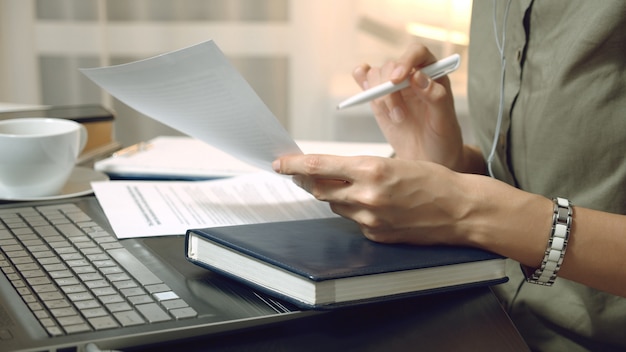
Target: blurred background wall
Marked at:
297, 55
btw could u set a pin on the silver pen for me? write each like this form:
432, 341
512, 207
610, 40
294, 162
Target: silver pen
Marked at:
434, 71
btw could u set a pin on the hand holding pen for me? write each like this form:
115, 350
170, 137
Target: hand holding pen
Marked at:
434, 71
419, 123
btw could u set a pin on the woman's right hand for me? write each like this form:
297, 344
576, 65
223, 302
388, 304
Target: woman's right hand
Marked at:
419, 121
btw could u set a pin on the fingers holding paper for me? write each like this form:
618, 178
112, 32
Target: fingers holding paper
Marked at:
393, 200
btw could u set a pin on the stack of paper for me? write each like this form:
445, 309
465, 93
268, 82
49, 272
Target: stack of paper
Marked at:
186, 158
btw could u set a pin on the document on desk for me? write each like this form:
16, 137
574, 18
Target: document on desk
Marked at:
198, 92
158, 208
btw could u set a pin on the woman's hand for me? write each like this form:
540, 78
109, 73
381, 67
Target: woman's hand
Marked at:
392, 200
419, 121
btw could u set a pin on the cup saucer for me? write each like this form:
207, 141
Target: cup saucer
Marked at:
79, 184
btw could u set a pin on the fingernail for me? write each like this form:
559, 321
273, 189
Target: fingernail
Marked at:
421, 80
397, 73
397, 114
276, 165
366, 85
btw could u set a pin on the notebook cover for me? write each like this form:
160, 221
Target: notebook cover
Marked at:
333, 248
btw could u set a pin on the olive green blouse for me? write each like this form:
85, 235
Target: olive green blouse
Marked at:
563, 134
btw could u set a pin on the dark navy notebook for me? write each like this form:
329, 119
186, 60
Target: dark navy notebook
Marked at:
326, 263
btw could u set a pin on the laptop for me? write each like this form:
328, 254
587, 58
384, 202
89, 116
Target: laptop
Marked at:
68, 283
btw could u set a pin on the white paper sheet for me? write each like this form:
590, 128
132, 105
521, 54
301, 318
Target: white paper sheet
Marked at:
157, 208
197, 91
186, 158
176, 157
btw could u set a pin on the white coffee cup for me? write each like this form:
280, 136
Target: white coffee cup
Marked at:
37, 155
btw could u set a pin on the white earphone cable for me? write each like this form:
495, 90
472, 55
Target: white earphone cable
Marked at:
500, 42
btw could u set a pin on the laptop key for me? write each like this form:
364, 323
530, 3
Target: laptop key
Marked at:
118, 307
70, 320
31, 301
104, 291
103, 263
184, 313
92, 303
33, 273
164, 296
50, 296
38, 280
111, 299
44, 288
94, 312
97, 284
101, 323
157, 288
63, 312
118, 277
65, 281
90, 276
57, 303
174, 303
153, 313
84, 269
72, 256
125, 284
80, 296
133, 291
60, 274
77, 262
141, 299
73, 329
111, 270
129, 318
41, 314
49, 259
73, 289
54, 330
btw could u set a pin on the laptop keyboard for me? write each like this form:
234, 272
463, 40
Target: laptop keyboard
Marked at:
76, 277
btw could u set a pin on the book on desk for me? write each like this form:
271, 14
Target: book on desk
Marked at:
328, 263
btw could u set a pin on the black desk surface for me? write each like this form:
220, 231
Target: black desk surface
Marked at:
468, 320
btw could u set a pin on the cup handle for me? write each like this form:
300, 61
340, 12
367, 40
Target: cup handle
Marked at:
83, 139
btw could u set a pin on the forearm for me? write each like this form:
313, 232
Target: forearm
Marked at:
517, 225
595, 253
